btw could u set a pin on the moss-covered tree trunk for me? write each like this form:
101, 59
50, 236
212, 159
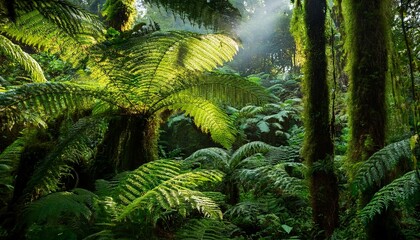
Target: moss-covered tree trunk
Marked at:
367, 38
131, 140
318, 146
366, 44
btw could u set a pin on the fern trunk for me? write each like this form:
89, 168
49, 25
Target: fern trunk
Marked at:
130, 142
318, 146
367, 41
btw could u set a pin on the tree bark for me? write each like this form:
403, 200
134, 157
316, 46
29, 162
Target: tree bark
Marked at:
367, 41
131, 141
318, 146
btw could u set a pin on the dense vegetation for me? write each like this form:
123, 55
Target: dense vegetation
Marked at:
209, 119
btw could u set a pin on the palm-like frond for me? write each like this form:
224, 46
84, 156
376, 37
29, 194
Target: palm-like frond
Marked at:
9, 160
380, 163
145, 178
206, 229
274, 179
216, 157
147, 67
219, 14
55, 206
176, 193
284, 154
160, 186
229, 89
397, 191
68, 17
33, 103
75, 146
16, 53
248, 150
11, 155
54, 26
207, 116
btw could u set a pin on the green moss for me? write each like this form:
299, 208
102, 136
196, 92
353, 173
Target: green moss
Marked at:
367, 38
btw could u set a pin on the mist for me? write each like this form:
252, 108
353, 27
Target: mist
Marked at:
259, 33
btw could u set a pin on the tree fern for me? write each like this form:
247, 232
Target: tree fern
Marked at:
373, 170
397, 191
206, 229
16, 53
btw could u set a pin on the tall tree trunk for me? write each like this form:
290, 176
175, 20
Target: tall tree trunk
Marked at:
318, 146
367, 41
130, 142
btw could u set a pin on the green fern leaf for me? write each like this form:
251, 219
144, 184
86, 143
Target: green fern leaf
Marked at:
176, 193
72, 148
55, 206
66, 16
217, 157
54, 26
397, 191
151, 66
380, 163
207, 116
16, 53
33, 103
9, 161
218, 14
206, 229
274, 179
248, 150
145, 178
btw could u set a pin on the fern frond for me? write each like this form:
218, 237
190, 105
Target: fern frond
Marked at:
397, 191
9, 161
16, 53
175, 193
284, 154
380, 163
247, 211
147, 66
75, 146
59, 30
274, 179
206, 229
56, 206
217, 157
206, 116
31, 102
145, 178
218, 14
11, 155
248, 150
66, 16
224, 88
